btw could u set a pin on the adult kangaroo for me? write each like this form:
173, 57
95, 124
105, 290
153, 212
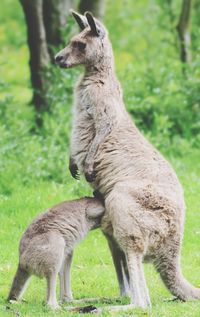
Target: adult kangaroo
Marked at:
144, 200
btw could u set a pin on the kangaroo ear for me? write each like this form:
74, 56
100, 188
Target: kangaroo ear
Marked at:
80, 19
96, 28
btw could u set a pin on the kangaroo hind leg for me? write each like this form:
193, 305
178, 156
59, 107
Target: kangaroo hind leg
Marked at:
120, 264
129, 230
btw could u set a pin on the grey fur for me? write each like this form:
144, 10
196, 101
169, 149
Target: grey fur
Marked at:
46, 247
143, 198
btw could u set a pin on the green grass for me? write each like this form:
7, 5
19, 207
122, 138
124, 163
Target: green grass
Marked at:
93, 273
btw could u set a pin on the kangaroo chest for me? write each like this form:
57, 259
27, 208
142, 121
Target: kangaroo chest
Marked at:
83, 130
85, 103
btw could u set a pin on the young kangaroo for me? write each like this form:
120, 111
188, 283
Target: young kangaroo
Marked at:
46, 247
144, 217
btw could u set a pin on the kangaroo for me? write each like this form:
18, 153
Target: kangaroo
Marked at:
144, 202
46, 247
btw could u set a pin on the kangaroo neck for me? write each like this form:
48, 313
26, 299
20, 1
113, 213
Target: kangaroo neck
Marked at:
103, 69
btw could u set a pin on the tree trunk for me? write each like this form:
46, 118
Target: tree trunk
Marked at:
97, 7
45, 21
55, 20
183, 31
39, 56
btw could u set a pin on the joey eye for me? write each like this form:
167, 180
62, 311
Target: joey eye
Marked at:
81, 46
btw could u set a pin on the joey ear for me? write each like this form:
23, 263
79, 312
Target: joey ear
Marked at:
95, 211
80, 19
94, 25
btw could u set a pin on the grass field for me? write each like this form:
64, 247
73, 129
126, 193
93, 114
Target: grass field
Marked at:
93, 274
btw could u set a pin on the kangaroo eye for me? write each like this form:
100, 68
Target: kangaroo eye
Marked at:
81, 46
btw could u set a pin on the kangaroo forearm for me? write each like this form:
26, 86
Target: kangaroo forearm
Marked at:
92, 151
73, 168
96, 143
89, 170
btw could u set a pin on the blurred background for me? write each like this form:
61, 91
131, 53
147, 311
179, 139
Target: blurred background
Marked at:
156, 45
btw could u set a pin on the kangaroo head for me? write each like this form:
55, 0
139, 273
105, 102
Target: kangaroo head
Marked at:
86, 48
94, 212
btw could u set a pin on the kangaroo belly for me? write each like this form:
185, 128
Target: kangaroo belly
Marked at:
144, 215
128, 157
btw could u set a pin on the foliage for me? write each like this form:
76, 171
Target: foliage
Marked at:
163, 102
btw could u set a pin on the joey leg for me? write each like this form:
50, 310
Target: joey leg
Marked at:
67, 278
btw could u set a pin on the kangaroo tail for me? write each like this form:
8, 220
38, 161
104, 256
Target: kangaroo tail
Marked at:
19, 284
169, 268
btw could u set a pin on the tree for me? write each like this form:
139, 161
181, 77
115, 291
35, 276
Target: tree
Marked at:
97, 7
183, 31
39, 56
45, 20
55, 19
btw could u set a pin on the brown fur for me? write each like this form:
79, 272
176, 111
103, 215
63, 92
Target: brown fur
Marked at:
143, 198
46, 247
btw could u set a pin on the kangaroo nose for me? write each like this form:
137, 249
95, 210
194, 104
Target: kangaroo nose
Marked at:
58, 58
